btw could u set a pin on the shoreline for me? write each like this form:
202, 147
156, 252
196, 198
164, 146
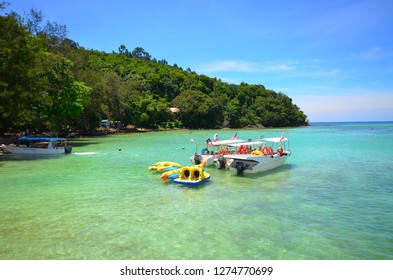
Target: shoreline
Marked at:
9, 138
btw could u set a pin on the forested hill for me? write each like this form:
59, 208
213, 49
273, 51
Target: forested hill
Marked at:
49, 82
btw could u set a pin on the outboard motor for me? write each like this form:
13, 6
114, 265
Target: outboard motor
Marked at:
197, 159
221, 162
67, 149
240, 167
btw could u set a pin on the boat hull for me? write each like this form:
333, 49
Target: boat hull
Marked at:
255, 164
222, 163
191, 182
192, 176
209, 159
32, 151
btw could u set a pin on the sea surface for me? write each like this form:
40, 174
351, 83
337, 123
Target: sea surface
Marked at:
332, 199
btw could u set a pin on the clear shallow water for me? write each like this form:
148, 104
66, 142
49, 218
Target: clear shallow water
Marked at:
333, 199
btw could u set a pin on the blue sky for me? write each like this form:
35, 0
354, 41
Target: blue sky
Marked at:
333, 58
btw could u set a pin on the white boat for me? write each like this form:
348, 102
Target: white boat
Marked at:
272, 155
209, 152
222, 162
28, 145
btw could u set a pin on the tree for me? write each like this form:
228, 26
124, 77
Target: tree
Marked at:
163, 62
66, 98
196, 109
153, 112
124, 51
18, 82
33, 21
233, 113
140, 53
54, 33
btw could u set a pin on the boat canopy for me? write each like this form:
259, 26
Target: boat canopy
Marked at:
222, 142
251, 143
275, 140
49, 139
227, 142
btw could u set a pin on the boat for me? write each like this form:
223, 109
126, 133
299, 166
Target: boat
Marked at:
163, 166
253, 147
192, 176
173, 174
31, 145
272, 154
210, 150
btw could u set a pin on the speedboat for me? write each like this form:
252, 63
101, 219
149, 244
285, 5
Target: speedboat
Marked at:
252, 147
192, 176
272, 155
29, 145
210, 150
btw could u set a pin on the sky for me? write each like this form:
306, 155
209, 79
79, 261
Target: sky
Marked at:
333, 58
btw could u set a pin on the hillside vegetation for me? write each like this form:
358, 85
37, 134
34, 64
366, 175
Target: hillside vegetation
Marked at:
49, 82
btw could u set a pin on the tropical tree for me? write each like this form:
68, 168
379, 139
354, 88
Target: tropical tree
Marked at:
18, 75
65, 98
196, 109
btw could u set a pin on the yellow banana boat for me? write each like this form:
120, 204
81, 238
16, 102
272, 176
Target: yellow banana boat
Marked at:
163, 166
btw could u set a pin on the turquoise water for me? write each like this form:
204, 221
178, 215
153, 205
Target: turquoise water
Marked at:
333, 199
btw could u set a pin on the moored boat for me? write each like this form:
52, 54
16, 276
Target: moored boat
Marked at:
209, 150
252, 147
29, 145
192, 176
272, 155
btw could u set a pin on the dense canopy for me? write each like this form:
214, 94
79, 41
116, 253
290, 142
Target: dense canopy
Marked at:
49, 82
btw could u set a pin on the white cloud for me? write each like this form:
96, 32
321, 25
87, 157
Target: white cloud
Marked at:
229, 66
319, 73
307, 68
242, 66
280, 67
372, 54
230, 81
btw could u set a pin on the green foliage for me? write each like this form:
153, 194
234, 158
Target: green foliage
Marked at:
18, 69
66, 98
48, 81
37, 87
196, 109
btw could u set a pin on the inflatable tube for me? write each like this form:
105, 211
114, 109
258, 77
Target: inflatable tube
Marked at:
167, 175
185, 173
196, 173
164, 166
